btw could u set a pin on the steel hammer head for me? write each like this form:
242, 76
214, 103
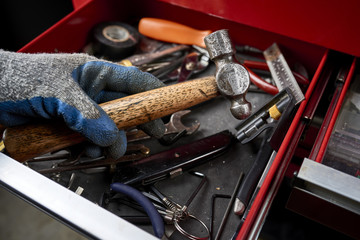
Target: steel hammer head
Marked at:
232, 79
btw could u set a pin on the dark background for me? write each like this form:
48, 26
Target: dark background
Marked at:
21, 20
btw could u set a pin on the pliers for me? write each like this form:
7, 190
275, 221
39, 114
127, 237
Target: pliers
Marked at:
260, 83
155, 217
156, 204
250, 58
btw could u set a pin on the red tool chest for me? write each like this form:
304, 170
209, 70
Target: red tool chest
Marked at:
319, 34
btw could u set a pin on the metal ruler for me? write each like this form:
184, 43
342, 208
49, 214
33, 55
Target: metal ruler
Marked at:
281, 72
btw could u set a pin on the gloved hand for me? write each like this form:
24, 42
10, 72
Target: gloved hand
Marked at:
69, 86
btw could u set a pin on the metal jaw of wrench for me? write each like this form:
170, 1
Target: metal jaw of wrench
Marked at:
232, 79
174, 126
134, 151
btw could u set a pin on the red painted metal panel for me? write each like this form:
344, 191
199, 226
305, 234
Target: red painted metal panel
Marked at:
72, 32
308, 54
335, 114
67, 35
331, 24
257, 23
281, 154
79, 3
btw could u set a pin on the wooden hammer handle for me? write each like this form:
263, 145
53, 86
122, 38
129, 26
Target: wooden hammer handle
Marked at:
28, 141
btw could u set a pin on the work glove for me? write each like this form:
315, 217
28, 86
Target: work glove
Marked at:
69, 87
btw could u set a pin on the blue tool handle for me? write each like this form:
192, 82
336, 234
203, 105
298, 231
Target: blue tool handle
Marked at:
154, 215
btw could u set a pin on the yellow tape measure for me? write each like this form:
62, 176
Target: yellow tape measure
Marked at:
2, 146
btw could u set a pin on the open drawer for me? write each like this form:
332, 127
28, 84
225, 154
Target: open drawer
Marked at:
326, 187
249, 24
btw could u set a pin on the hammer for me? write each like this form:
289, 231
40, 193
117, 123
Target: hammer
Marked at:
231, 79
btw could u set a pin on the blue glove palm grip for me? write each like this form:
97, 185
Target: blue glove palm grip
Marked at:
102, 131
101, 81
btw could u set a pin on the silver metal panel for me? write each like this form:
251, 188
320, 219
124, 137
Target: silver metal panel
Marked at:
63, 204
336, 186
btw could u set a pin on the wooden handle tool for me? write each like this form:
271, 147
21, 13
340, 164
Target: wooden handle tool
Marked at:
169, 31
28, 141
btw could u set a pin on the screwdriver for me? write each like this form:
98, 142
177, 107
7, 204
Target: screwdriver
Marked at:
168, 31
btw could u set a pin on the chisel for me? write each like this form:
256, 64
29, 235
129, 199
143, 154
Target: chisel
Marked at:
169, 31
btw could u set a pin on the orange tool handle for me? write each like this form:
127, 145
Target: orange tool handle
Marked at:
168, 31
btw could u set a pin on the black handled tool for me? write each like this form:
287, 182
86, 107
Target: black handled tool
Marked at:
279, 108
274, 118
173, 161
253, 176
